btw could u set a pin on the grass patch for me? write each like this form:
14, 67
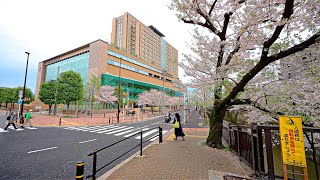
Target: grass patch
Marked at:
67, 116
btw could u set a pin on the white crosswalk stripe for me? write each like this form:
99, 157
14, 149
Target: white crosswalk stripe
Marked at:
163, 132
136, 132
125, 131
147, 133
119, 130
11, 129
2, 130
116, 128
103, 128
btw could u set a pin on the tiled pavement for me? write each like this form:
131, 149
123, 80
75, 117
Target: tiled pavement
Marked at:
177, 159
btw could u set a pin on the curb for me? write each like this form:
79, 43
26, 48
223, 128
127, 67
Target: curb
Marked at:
108, 173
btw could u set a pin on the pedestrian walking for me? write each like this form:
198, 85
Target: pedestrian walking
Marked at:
10, 120
178, 131
28, 118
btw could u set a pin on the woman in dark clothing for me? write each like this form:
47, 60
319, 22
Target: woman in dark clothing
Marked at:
178, 131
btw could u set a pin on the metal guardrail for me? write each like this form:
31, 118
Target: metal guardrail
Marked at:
94, 152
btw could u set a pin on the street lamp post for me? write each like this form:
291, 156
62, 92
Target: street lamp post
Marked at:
55, 95
24, 85
163, 78
118, 116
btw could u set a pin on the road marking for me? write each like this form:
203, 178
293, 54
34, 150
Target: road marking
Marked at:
163, 132
136, 132
147, 133
125, 132
87, 141
41, 150
121, 127
31, 128
2, 130
10, 127
88, 128
104, 128
119, 130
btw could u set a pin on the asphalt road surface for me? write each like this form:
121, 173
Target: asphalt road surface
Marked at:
52, 152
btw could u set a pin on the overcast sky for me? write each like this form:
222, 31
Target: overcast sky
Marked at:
48, 28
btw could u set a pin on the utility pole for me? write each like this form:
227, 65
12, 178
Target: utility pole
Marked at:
24, 85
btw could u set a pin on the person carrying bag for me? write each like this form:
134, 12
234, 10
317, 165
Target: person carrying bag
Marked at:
10, 120
177, 127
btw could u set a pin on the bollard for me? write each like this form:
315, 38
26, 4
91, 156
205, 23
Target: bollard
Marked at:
60, 122
91, 115
80, 170
109, 120
94, 165
104, 114
141, 143
160, 135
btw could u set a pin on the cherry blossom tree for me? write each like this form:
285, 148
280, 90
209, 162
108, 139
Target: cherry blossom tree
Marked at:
153, 98
238, 43
107, 94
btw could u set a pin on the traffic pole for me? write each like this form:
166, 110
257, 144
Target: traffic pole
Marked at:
80, 170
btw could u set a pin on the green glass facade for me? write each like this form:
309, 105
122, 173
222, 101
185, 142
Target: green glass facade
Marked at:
134, 87
78, 63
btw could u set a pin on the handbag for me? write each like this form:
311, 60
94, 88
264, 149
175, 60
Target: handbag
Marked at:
175, 125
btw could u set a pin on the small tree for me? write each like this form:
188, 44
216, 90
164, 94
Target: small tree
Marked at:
70, 87
107, 95
153, 98
48, 93
91, 89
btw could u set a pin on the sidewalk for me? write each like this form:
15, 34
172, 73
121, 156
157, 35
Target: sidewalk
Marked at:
83, 120
177, 159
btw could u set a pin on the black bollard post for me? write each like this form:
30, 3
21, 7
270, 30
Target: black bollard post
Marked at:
80, 170
109, 120
141, 143
160, 135
104, 114
60, 122
94, 165
91, 115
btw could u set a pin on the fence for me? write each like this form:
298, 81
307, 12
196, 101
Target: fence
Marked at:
253, 144
94, 153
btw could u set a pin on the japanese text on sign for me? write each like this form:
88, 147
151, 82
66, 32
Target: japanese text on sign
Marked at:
292, 141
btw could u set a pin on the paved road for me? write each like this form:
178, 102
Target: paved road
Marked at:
52, 152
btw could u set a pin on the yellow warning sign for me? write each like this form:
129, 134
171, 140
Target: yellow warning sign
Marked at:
292, 141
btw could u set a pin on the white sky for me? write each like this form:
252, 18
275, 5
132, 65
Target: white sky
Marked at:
48, 28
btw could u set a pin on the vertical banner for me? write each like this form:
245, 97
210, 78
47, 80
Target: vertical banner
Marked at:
292, 141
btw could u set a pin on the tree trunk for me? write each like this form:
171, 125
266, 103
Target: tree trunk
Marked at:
50, 106
215, 132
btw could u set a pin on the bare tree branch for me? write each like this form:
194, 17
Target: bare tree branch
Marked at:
288, 11
213, 5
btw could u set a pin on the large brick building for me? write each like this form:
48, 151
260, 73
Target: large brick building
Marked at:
141, 67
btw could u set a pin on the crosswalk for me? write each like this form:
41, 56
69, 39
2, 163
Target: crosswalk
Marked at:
11, 129
124, 131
